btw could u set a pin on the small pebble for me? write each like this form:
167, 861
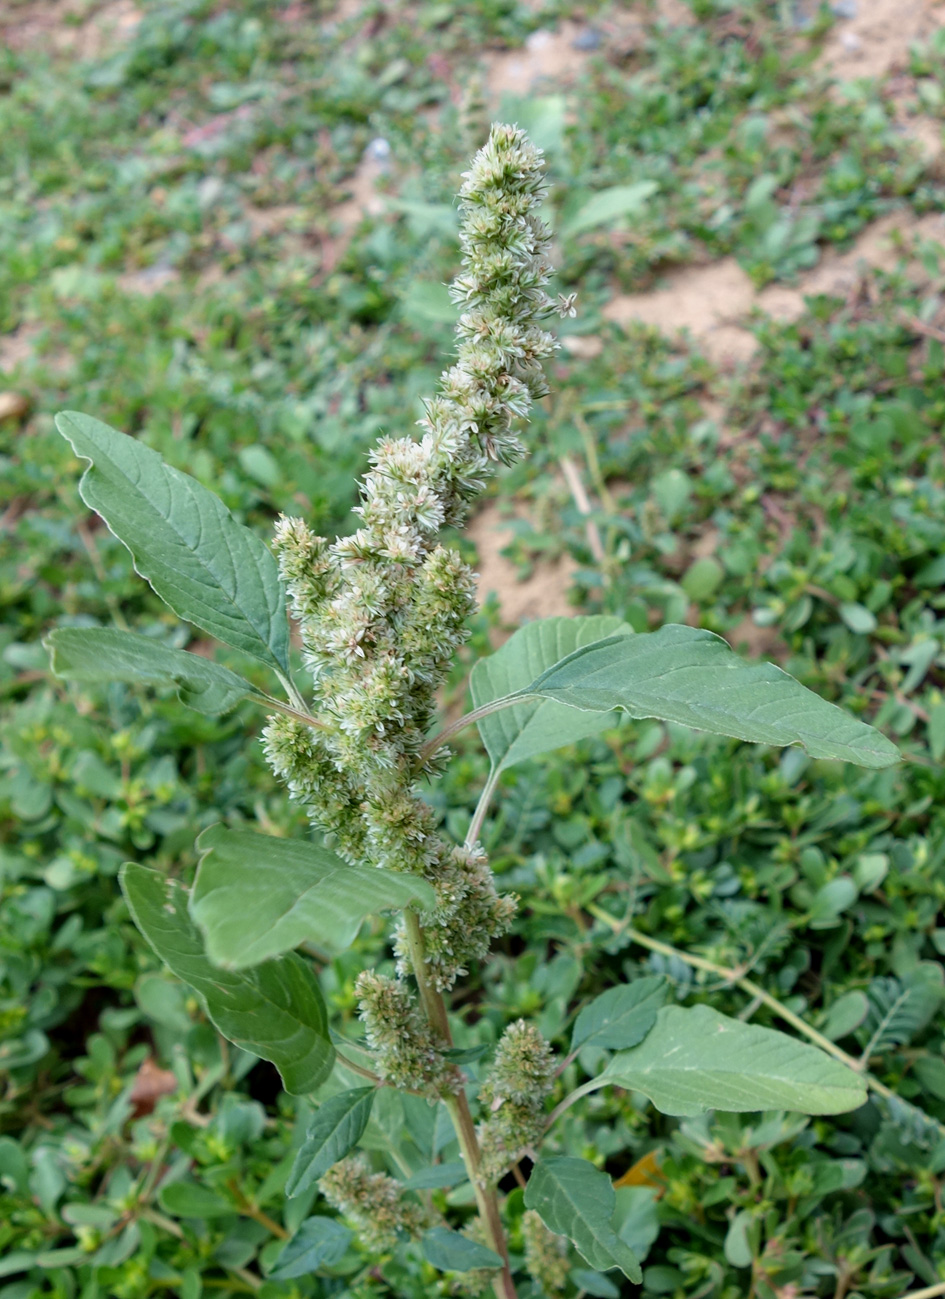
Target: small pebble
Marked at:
843, 8
587, 39
377, 151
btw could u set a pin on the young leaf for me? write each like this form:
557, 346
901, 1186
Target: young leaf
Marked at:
335, 1129
319, 1242
683, 674
97, 655
621, 1017
695, 1059
575, 1200
451, 1252
211, 570
536, 725
256, 896
437, 1175
609, 204
191, 1200
276, 1010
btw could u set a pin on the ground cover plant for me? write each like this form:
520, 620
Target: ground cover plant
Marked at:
381, 613
268, 379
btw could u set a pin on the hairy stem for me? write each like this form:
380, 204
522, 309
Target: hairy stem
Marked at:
458, 1109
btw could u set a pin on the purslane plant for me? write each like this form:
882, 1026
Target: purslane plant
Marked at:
380, 614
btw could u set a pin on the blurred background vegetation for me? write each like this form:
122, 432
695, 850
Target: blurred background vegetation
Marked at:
225, 228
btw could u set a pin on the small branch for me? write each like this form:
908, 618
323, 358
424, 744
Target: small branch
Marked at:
584, 1090
930, 1292
358, 1069
277, 706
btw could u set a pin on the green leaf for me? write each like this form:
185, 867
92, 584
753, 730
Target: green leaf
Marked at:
334, 1130
535, 726
97, 655
847, 1013
621, 1017
684, 674
858, 618
256, 896
438, 1175
319, 1242
609, 204
451, 1252
636, 1218
695, 1059
211, 570
275, 1011
575, 1200
189, 1200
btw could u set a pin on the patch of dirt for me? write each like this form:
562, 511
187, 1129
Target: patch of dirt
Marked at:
877, 36
706, 301
881, 246
542, 595
84, 30
547, 56
714, 302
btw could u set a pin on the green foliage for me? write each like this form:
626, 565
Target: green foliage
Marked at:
263, 362
97, 655
276, 1010
535, 726
210, 569
577, 1201
683, 674
695, 1059
256, 896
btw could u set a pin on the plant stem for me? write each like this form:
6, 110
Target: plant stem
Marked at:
277, 706
357, 1068
755, 990
458, 1109
467, 719
482, 807
294, 697
930, 1292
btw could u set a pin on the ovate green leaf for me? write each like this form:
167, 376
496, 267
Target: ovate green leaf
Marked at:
575, 1200
190, 1200
96, 655
276, 1010
211, 570
451, 1252
256, 896
621, 1017
695, 1059
684, 674
334, 1130
535, 725
319, 1242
